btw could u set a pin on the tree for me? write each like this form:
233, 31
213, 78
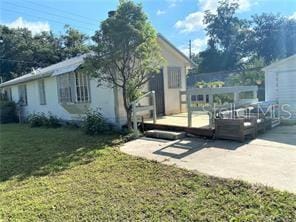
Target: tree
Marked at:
73, 42
126, 52
250, 75
20, 51
228, 39
275, 36
15, 46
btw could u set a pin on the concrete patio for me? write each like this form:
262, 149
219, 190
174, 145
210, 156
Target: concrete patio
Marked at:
269, 160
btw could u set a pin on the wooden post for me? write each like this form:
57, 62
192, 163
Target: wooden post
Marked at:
255, 94
236, 98
189, 117
154, 107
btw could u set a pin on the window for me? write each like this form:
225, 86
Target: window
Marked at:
174, 77
8, 94
22, 90
82, 87
73, 88
41, 88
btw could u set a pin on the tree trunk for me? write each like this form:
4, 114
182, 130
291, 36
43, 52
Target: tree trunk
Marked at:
128, 109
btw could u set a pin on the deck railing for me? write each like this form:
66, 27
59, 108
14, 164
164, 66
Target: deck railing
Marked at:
208, 105
136, 109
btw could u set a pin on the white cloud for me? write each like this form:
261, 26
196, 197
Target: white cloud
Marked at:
197, 45
173, 3
194, 21
160, 12
34, 27
293, 16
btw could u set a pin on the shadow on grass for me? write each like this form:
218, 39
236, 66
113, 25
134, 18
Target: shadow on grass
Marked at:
26, 152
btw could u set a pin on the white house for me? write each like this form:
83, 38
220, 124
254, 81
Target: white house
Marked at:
64, 91
280, 85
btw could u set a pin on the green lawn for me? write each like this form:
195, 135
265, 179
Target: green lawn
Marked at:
61, 174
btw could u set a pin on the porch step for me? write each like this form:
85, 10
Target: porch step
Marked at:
163, 134
275, 122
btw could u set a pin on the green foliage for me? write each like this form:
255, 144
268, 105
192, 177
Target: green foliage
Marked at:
223, 99
127, 52
52, 121
40, 119
7, 111
95, 124
274, 36
232, 40
251, 77
65, 175
214, 84
21, 51
228, 39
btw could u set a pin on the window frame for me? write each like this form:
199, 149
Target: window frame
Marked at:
20, 90
174, 77
41, 91
77, 88
8, 93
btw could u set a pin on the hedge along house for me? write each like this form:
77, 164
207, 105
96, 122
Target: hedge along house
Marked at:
65, 91
280, 86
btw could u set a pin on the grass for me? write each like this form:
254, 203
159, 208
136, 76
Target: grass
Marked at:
64, 175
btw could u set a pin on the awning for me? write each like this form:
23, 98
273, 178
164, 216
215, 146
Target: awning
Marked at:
66, 69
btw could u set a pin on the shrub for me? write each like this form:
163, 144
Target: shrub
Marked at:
37, 119
52, 121
8, 111
94, 123
40, 119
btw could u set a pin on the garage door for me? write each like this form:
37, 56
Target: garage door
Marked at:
287, 91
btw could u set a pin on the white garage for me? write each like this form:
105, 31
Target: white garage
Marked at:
280, 85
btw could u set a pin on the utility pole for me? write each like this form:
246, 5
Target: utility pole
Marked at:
189, 49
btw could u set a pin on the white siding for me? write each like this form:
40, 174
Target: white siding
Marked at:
280, 84
171, 96
287, 93
270, 86
102, 98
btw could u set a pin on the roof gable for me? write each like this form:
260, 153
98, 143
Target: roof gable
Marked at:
291, 60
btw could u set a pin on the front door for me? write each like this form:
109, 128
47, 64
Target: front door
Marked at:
156, 84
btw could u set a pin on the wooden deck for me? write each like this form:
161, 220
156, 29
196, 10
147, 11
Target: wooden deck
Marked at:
181, 119
179, 122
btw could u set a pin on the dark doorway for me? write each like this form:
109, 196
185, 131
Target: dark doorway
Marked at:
156, 84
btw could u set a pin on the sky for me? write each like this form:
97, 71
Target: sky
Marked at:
178, 20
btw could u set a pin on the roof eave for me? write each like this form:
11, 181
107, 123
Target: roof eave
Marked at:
190, 62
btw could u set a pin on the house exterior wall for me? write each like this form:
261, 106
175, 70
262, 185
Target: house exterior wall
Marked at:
171, 96
102, 98
280, 84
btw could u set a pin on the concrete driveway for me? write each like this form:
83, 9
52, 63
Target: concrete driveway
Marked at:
269, 160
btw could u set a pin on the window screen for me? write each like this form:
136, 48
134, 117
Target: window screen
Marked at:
73, 88
42, 97
22, 90
8, 94
174, 77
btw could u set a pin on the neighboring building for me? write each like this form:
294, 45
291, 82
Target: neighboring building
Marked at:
280, 85
64, 91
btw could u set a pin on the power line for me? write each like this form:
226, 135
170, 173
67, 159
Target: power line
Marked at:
55, 21
14, 60
70, 13
49, 13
